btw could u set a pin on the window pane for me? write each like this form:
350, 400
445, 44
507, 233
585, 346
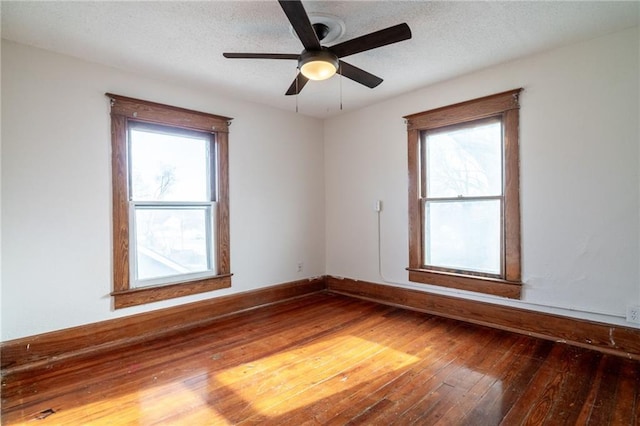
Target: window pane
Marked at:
463, 235
465, 161
166, 167
172, 241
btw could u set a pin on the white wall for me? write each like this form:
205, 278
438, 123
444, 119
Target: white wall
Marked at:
56, 190
579, 142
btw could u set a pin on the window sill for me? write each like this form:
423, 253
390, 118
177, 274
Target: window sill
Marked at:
494, 286
142, 295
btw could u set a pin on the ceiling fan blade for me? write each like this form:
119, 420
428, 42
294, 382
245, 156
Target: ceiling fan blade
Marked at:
358, 75
297, 85
300, 23
372, 40
260, 56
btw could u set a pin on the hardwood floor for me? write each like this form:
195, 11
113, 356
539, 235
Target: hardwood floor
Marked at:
328, 359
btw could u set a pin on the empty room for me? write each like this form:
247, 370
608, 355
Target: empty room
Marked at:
320, 212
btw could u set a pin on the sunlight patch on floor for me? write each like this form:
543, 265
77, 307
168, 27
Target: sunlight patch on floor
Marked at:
290, 380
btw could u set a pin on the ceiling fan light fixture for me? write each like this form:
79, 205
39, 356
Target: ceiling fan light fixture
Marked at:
318, 65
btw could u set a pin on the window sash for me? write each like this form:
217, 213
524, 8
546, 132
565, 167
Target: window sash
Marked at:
424, 135
426, 199
211, 153
209, 208
426, 253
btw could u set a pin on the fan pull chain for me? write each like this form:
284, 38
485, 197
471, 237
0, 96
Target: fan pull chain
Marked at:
297, 89
341, 76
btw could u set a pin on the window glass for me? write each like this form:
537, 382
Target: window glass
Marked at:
172, 241
463, 235
168, 167
465, 161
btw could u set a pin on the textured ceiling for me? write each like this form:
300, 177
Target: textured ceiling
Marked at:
183, 41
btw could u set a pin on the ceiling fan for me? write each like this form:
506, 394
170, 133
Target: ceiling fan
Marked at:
317, 62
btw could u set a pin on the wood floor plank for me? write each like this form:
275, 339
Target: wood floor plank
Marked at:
625, 410
356, 373
497, 362
321, 359
588, 404
636, 410
426, 374
469, 382
384, 377
606, 392
411, 395
532, 405
380, 375
574, 386
460, 380
285, 377
331, 360
502, 395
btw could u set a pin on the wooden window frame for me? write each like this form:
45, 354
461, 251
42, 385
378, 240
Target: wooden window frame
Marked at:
124, 110
506, 106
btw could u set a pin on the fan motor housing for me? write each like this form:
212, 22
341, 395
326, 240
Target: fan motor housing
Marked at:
324, 55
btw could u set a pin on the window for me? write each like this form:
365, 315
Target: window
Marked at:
170, 201
464, 210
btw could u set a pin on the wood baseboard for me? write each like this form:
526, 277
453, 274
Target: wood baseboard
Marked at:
38, 350
614, 339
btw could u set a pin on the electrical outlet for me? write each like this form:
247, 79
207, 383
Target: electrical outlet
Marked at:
633, 313
300, 266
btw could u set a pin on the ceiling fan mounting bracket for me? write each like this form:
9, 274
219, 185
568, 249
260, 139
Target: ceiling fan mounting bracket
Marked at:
321, 30
335, 27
